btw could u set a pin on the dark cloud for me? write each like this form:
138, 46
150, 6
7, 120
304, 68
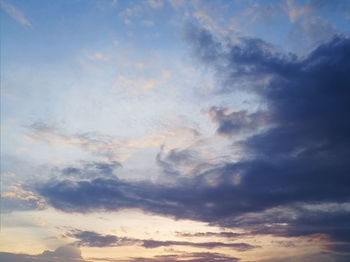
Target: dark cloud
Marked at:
315, 257
176, 161
61, 254
212, 234
192, 257
207, 245
302, 158
90, 170
332, 223
186, 257
236, 122
93, 239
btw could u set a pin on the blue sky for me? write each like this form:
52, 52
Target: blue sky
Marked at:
172, 130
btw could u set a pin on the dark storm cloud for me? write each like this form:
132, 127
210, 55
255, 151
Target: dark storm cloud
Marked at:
93, 239
303, 157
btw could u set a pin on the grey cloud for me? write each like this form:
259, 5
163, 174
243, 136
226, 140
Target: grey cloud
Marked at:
208, 245
186, 257
236, 122
90, 170
61, 254
93, 239
174, 161
213, 234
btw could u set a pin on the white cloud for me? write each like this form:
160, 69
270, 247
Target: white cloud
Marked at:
15, 13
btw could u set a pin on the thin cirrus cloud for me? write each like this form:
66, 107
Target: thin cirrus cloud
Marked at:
110, 148
301, 159
15, 13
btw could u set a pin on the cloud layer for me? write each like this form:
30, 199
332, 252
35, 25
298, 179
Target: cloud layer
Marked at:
93, 239
300, 159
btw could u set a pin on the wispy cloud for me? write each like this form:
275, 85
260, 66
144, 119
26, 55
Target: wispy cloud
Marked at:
15, 13
113, 148
93, 239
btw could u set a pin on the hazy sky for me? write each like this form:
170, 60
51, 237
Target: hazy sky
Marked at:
174, 130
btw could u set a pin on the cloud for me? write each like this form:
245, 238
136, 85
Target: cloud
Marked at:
104, 146
184, 257
213, 234
15, 13
301, 159
178, 161
308, 112
110, 148
236, 122
19, 196
207, 245
62, 254
91, 170
93, 239
314, 257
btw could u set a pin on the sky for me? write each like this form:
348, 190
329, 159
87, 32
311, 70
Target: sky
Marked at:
173, 130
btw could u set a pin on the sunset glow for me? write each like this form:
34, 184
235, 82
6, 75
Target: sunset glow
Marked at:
174, 130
